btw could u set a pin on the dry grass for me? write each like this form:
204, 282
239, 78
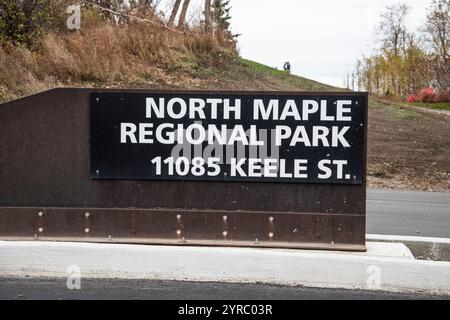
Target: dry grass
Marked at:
102, 54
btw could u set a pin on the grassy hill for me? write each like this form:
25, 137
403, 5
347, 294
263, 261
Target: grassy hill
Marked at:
407, 149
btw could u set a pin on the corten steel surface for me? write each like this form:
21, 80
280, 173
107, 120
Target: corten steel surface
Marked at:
46, 192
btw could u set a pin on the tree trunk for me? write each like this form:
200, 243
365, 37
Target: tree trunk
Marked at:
207, 15
173, 15
182, 21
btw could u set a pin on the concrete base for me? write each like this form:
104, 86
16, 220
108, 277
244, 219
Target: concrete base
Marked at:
385, 266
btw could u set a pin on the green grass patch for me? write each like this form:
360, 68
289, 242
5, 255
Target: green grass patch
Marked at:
436, 106
300, 82
393, 109
404, 113
259, 67
374, 103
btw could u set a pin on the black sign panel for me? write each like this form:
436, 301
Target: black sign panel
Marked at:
233, 136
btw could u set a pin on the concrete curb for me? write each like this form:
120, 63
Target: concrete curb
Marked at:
393, 238
386, 266
424, 248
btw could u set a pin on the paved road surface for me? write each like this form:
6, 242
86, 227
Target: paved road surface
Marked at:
408, 213
21, 289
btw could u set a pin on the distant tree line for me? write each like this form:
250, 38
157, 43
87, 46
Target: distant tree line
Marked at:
406, 62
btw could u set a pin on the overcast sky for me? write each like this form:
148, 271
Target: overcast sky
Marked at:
321, 38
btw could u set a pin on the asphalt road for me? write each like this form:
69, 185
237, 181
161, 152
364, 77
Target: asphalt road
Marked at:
44, 289
408, 213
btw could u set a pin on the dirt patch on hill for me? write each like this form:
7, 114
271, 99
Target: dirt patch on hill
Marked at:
408, 149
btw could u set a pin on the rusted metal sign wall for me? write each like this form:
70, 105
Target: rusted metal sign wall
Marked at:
185, 167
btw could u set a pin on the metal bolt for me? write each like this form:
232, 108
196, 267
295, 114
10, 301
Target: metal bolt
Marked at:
86, 230
178, 232
41, 229
271, 219
225, 233
40, 213
225, 218
87, 214
271, 234
178, 216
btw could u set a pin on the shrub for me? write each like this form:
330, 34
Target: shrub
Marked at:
411, 98
21, 20
443, 97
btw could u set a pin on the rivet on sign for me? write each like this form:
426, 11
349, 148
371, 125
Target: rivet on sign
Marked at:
225, 233
40, 213
178, 216
86, 230
87, 214
271, 219
178, 232
225, 218
41, 229
271, 234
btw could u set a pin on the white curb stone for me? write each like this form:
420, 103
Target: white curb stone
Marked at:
385, 266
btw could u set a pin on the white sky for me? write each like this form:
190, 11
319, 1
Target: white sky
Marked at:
321, 38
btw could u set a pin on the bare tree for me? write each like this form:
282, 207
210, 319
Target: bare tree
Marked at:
437, 34
182, 20
174, 13
392, 28
207, 15
393, 33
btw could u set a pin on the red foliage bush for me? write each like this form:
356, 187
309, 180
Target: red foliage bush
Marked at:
411, 98
428, 95
426, 91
